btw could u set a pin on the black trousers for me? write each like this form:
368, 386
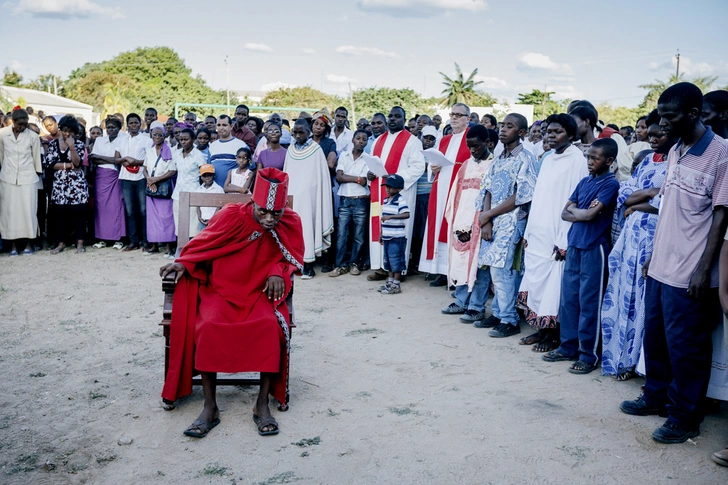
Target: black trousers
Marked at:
69, 220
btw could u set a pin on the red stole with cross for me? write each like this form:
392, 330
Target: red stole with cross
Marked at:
378, 192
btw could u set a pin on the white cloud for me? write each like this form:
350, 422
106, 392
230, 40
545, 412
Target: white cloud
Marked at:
309, 51
420, 8
66, 9
565, 92
687, 67
16, 65
333, 78
250, 46
540, 62
350, 50
490, 82
276, 85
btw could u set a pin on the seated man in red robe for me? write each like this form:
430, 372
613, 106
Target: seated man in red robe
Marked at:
229, 310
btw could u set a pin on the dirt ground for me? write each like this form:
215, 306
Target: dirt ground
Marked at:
384, 389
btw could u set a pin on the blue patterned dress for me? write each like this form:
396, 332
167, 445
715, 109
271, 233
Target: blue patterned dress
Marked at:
623, 310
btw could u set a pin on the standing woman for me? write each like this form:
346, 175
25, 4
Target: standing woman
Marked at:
19, 168
109, 223
321, 129
70, 190
159, 168
641, 141
187, 161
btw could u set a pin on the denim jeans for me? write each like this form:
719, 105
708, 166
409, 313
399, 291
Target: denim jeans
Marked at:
394, 258
506, 281
352, 212
135, 207
476, 299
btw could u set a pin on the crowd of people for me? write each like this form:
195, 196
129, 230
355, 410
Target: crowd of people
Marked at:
605, 239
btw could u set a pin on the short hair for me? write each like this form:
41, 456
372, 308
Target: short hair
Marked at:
493, 120
566, 121
686, 95
652, 119
404, 113
20, 114
133, 115
211, 116
95, 128
246, 150
425, 116
475, 114
610, 125
463, 105
521, 120
608, 146
582, 102
70, 122
643, 117
719, 100
151, 109
258, 122
587, 114
112, 120
190, 132
492, 134
274, 123
46, 118
359, 131
379, 115
190, 113
478, 131
225, 117
202, 130
629, 129
341, 108
242, 106
172, 119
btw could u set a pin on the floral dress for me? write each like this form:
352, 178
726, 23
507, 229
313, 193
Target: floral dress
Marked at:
623, 310
69, 186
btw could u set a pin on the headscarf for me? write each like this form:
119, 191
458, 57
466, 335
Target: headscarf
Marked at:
323, 115
183, 125
164, 152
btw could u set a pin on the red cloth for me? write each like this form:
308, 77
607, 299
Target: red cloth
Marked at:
377, 190
462, 156
222, 322
243, 133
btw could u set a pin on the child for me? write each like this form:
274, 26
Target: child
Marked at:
590, 209
351, 173
208, 186
394, 233
239, 179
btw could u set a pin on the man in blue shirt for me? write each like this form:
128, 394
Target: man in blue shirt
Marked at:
590, 209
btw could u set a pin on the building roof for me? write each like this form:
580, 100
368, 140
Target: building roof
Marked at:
39, 98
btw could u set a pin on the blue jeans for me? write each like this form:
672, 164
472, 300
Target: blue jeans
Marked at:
352, 211
580, 310
476, 299
506, 281
678, 350
394, 258
135, 207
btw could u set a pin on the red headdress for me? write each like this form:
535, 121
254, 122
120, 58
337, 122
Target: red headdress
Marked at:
271, 189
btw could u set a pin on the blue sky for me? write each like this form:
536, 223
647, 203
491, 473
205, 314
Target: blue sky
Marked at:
586, 49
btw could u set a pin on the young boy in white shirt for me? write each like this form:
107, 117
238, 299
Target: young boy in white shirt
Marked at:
208, 186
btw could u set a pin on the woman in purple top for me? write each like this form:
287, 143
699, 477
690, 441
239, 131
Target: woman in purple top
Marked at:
275, 155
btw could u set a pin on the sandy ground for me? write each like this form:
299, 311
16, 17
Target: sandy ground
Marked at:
384, 389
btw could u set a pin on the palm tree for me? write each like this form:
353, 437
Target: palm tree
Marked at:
115, 98
655, 89
459, 90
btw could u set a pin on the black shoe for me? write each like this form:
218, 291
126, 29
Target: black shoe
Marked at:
639, 407
670, 433
505, 330
327, 269
490, 322
307, 272
439, 281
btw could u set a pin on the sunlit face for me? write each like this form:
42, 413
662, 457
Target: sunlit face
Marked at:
536, 134
459, 118
223, 128
112, 129
203, 140
300, 133
318, 127
273, 134
210, 122
241, 116
359, 141
252, 125
509, 132
51, 126
267, 219
185, 141
134, 125
558, 137
95, 133
641, 130
158, 136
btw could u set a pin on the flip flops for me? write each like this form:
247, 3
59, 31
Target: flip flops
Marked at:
263, 422
199, 428
580, 367
556, 356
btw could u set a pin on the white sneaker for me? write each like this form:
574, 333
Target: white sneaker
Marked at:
117, 245
100, 244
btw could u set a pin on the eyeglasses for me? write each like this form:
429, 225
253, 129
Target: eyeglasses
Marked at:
157, 135
458, 115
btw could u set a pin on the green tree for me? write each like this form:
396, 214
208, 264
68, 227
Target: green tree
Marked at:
303, 97
619, 115
116, 98
460, 89
11, 78
45, 82
542, 102
655, 89
368, 101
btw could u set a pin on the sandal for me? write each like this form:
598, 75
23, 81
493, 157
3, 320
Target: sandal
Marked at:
534, 338
263, 422
580, 367
58, 249
625, 376
547, 344
556, 356
199, 428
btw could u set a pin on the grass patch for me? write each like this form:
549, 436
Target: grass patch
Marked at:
96, 395
403, 411
214, 469
364, 331
38, 374
285, 477
308, 442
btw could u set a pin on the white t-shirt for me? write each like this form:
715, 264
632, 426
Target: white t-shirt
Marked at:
208, 212
354, 168
344, 141
135, 147
106, 148
162, 167
188, 171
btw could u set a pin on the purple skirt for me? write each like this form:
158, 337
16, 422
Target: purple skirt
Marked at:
109, 220
160, 220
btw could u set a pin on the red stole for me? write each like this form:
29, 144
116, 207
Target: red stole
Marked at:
462, 156
377, 189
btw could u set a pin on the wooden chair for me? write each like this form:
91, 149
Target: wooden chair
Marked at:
189, 200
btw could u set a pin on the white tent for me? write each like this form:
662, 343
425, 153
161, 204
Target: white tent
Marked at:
49, 103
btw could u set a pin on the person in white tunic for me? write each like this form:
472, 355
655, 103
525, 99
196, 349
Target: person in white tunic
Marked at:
545, 235
434, 256
401, 153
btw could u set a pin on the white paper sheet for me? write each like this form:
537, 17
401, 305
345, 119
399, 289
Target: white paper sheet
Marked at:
433, 156
375, 165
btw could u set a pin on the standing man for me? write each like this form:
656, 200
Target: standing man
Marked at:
150, 116
223, 152
379, 126
191, 119
681, 298
240, 131
422, 121
401, 153
455, 148
341, 134
210, 123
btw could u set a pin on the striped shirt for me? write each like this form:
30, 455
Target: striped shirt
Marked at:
695, 184
393, 206
222, 157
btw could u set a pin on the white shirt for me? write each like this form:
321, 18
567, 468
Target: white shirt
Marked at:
188, 171
354, 168
344, 141
105, 148
162, 167
135, 147
208, 212
19, 157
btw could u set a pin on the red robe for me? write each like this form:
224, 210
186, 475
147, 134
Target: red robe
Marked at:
221, 319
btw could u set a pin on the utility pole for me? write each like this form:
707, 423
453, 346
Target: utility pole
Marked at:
677, 72
227, 68
351, 101
55, 85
